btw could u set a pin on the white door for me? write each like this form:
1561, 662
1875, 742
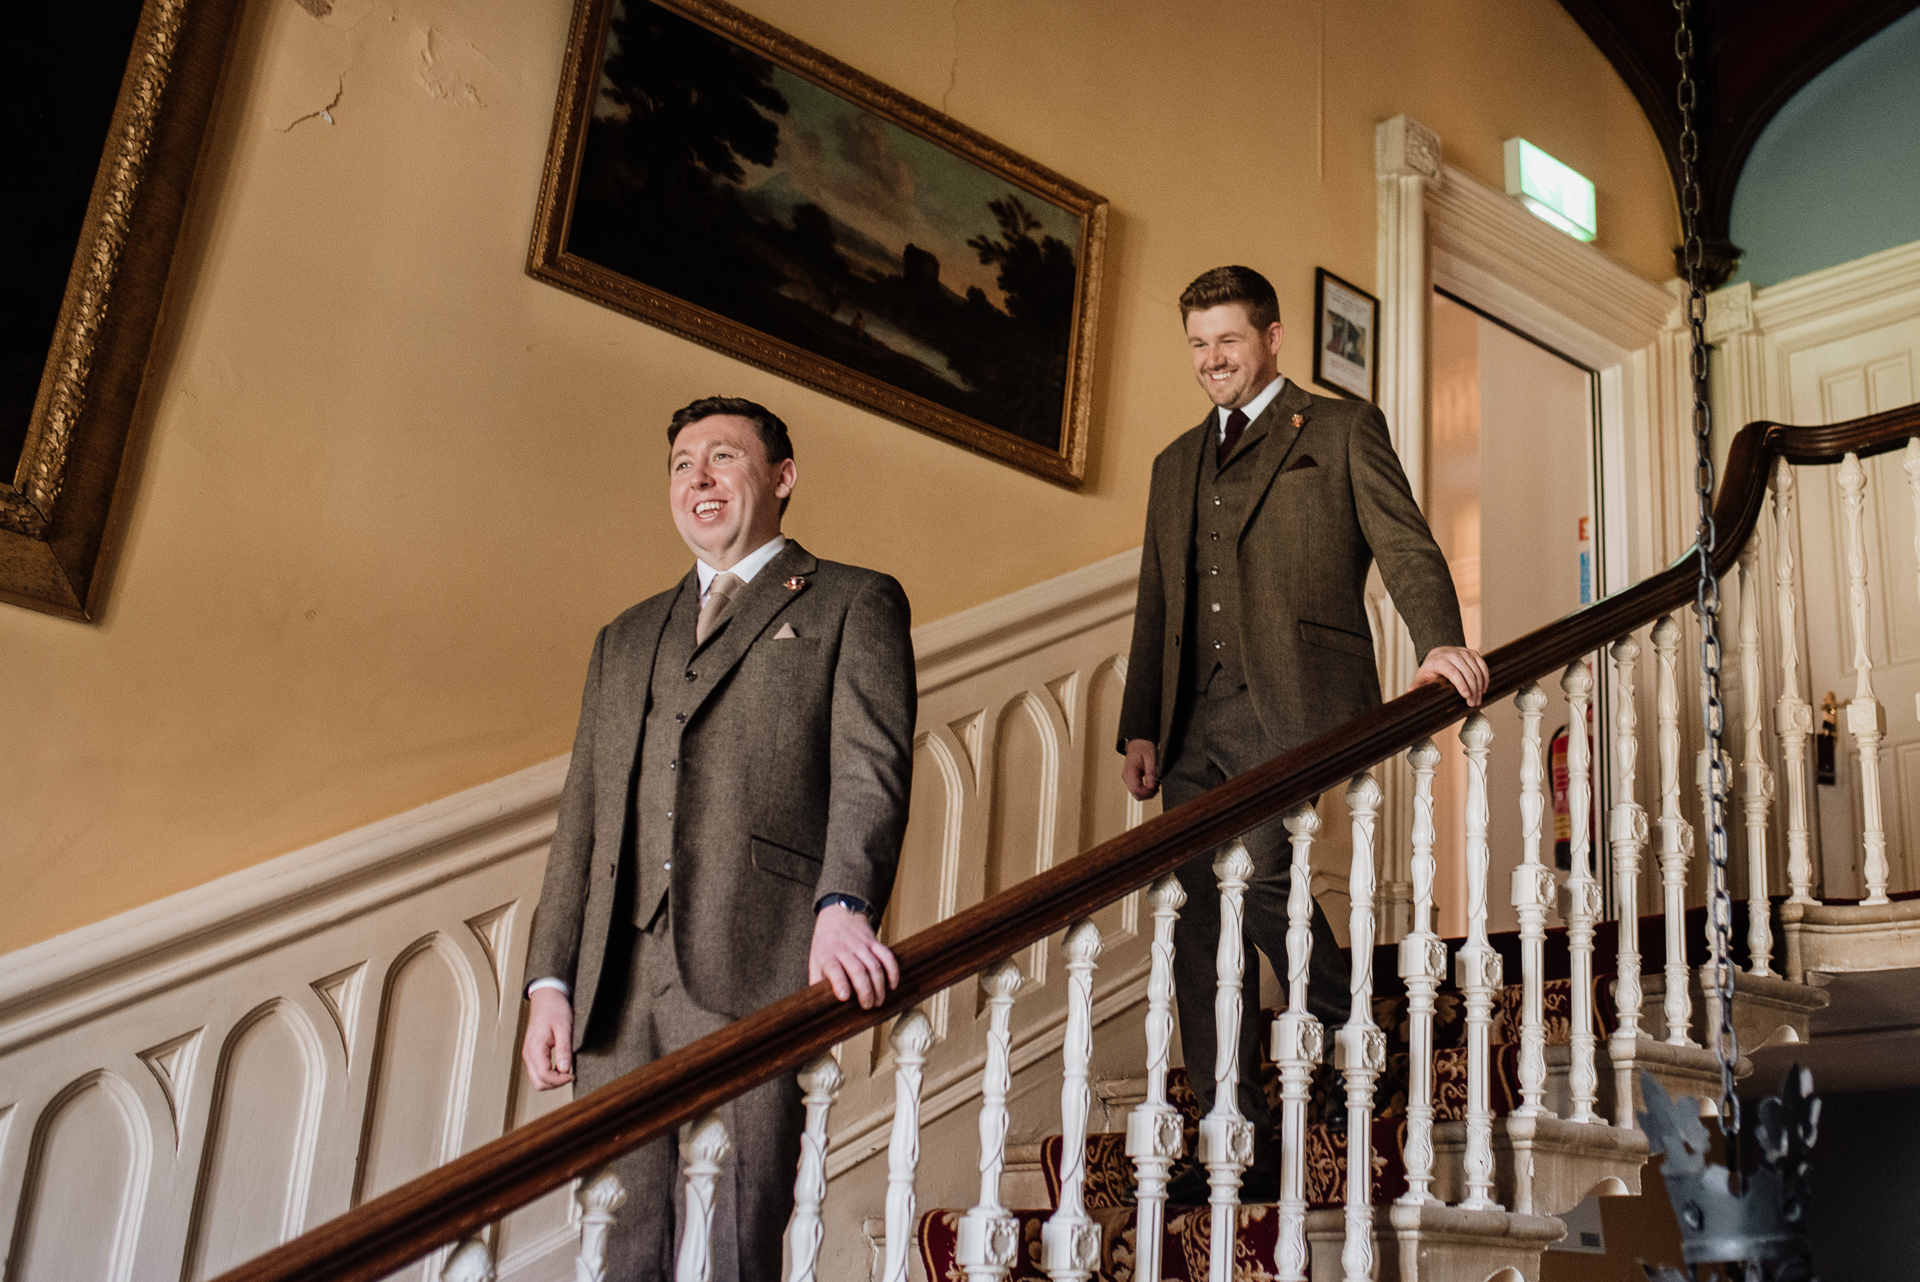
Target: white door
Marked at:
1863, 373
1513, 501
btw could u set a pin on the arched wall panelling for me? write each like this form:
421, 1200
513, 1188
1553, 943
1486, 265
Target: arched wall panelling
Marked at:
419, 1076
86, 1186
1024, 765
257, 1162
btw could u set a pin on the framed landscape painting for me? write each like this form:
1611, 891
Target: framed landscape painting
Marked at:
715, 177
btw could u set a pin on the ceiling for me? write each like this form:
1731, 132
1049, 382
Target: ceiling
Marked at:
1751, 57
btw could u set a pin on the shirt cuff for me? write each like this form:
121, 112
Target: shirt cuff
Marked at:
560, 984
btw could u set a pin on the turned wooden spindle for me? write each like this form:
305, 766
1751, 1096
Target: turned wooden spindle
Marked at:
702, 1150
1298, 1042
1423, 962
1583, 901
1477, 972
820, 1083
1226, 1136
1627, 839
911, 1039
1674, 845
1070, 1240
1154, 1126
1360, 1048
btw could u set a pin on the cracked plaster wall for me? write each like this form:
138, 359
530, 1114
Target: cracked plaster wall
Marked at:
388, 487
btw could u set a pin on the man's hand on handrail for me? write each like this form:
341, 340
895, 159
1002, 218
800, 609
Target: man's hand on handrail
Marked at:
548, 1050
846, 955
1464, 669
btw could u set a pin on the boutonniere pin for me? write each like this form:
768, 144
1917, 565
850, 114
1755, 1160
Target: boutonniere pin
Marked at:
1299, 420
795, 583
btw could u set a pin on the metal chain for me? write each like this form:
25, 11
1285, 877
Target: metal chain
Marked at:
1726, 1046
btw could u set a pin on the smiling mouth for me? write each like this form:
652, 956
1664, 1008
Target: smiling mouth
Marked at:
706, 508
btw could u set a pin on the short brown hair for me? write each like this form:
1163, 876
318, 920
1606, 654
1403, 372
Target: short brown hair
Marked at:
1233, 285
773, 433
766, 424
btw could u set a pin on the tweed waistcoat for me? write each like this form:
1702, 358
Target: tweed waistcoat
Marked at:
1215, 664
671, 702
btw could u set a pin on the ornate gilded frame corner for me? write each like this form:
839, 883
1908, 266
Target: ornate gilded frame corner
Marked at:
549, 261
54, 514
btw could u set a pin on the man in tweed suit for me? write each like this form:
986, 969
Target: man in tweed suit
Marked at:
729, 828
1250, 635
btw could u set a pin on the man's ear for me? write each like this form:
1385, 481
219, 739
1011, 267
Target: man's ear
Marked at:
788, 475
1275, 336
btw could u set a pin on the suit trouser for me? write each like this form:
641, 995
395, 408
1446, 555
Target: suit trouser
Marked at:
1214, 740
754, 1195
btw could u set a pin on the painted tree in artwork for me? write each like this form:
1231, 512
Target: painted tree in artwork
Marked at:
681, 113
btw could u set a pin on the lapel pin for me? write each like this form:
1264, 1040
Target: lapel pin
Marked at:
795, 583
1299, 420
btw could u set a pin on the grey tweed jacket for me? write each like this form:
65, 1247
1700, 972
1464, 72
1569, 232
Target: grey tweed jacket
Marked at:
794, 769
1330, 499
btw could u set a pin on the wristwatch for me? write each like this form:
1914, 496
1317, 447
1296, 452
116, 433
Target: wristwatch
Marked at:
852, 902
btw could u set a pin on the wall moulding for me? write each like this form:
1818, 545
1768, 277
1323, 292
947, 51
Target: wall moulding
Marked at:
55, 507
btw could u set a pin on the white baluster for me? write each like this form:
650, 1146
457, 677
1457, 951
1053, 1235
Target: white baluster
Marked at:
1533, 894
1360, 1048
1675, 844
1226, 1137
911, 1039
702, 1150
1477, 971
1298, 1042
1627, 837
820, 1083
1792, 715
1866, 719
599, 1198
1756, 779
989, 1237
1423, 962
472, 1262
1070, 1240
1153, 1128
1583, 893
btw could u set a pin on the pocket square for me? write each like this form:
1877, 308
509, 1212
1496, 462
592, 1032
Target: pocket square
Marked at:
1304, 461
785, 633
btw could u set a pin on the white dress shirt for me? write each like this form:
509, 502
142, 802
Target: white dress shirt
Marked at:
1252, 409
744, 569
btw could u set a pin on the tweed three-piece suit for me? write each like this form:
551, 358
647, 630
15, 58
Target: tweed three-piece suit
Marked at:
717, 791
1251, 637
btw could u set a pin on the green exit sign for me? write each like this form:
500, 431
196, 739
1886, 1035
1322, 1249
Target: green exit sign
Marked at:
1553, 191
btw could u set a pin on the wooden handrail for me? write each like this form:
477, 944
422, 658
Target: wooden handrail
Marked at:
452, 1201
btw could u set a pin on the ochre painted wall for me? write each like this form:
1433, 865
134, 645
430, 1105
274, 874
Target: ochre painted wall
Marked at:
386, 486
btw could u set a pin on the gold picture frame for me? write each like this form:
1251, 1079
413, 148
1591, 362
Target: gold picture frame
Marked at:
805, 276
54, 513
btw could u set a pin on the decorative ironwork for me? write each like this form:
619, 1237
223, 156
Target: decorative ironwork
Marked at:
1763, 1227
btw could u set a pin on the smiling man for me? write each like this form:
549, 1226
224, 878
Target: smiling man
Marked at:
1250, 635
729, 828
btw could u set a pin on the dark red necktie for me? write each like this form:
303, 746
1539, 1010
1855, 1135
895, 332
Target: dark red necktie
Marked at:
1236, 424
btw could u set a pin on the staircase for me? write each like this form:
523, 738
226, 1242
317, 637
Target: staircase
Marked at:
1489, 1083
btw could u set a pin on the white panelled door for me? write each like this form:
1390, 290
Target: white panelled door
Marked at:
1863, 373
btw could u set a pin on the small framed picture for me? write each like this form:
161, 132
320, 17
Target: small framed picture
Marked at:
1346, 346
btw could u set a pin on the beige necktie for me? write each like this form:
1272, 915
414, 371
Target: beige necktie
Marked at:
719, 597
